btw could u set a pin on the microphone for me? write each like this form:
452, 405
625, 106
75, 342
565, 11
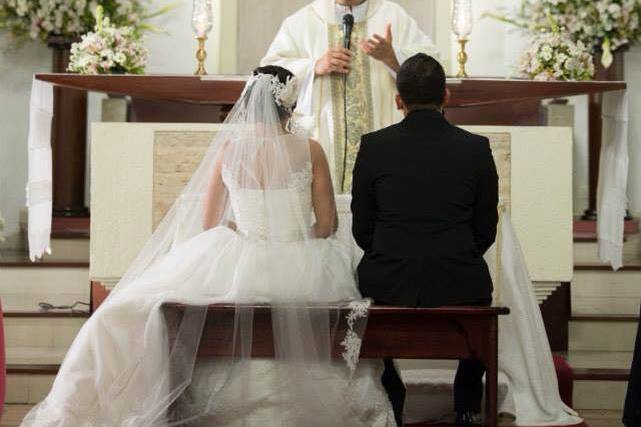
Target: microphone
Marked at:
348, 25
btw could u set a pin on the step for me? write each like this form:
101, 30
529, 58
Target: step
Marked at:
29, 385
600, 378
40, 337
68, 248
597, 290
79, 226
586, 249
599, 395
630, 226
13, 414
603, 333
24, 284
36, 344
543, 290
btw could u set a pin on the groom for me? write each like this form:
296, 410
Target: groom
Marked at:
424, 202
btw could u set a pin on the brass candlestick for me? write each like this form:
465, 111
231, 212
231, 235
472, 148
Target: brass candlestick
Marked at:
462, 59
201, 55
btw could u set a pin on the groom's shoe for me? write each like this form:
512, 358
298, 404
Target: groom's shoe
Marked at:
469, 419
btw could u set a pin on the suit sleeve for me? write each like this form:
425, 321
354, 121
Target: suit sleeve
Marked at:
485, 217
363, 199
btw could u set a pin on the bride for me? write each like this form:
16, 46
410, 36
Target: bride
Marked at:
254, 225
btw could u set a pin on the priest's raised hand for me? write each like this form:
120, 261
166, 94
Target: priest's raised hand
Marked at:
381, 48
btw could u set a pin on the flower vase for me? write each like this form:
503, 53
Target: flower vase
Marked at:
68, 138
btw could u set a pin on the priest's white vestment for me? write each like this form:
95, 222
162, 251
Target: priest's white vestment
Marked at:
305, 36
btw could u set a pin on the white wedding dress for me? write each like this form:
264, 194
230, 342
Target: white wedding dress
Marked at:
132, 366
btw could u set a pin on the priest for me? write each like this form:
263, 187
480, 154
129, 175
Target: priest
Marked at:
346, 93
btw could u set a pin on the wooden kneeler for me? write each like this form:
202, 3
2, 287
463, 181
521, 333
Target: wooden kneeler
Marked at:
392, 333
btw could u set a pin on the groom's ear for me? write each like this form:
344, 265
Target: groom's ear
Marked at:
448, 96
400, 105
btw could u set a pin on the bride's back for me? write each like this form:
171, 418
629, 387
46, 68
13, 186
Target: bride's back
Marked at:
270, 190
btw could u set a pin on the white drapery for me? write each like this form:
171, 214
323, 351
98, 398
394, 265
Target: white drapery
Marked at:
613, 178
39, 186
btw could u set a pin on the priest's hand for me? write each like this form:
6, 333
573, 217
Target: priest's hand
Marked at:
335, 60
380, 48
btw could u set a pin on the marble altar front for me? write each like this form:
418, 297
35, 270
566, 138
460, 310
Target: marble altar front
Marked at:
138, 169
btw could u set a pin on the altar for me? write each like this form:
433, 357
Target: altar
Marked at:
205, 99
175, 118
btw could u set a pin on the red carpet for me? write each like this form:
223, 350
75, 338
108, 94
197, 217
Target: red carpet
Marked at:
2, 365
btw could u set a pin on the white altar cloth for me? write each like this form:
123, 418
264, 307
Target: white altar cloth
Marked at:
613, 178
39, 187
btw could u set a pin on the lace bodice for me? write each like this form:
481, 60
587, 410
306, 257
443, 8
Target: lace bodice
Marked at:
275, 214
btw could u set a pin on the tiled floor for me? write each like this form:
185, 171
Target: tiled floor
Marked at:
13, 414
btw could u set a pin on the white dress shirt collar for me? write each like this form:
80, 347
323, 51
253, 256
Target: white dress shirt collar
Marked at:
359, 11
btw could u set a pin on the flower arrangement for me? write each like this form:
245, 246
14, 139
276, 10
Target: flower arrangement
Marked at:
108, 49
555, 56
42, 19
604, 25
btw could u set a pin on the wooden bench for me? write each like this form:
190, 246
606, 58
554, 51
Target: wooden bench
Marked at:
392, 332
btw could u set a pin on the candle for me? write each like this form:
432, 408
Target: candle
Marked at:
462, 18
202, 17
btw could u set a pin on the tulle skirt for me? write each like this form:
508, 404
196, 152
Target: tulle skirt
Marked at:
117, 371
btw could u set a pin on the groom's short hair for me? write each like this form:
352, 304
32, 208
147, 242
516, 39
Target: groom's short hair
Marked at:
421, 82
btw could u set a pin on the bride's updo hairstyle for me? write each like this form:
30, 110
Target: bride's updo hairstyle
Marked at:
285, 99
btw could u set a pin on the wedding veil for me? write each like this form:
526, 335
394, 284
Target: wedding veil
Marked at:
255, 156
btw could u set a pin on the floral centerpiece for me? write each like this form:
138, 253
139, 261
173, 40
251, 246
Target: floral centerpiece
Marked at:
68, 19
601, 25
108, 49
555, 56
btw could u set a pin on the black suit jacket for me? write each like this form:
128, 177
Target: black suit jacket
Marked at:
424, 205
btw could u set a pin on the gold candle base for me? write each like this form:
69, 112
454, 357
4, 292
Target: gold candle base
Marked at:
201, 55
462, 59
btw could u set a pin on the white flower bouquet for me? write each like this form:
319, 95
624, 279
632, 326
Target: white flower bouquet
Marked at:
108, 49
555, 56
601, 25
42, 19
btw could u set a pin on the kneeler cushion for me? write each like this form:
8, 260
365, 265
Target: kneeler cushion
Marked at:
2, 364
564, 374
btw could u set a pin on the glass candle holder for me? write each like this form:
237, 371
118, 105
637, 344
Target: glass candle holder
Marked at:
462, 27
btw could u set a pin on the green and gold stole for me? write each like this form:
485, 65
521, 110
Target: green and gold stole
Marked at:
360, 113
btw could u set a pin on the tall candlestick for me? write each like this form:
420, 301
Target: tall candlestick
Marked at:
202, 22
462, 27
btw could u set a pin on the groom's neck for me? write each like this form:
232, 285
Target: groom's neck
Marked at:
421, 107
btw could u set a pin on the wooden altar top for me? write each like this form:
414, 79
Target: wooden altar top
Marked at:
225, 90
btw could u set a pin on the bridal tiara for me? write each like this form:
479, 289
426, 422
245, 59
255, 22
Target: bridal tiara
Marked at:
285, 94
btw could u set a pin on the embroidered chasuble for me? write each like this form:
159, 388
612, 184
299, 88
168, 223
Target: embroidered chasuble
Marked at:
359, 106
